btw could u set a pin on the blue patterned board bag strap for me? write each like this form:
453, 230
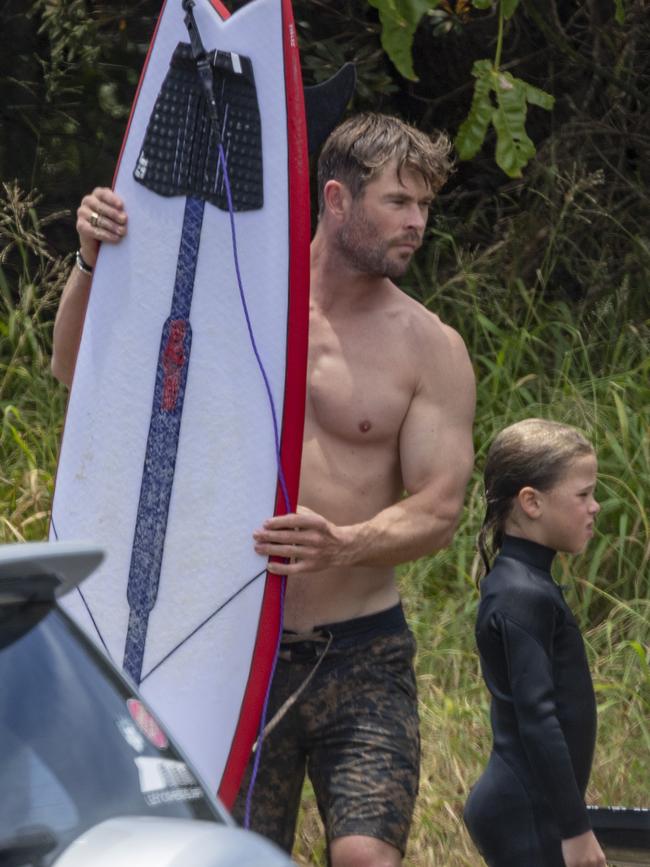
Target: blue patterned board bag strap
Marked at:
203, 141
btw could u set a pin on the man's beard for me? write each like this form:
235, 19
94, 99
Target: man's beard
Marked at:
359, 243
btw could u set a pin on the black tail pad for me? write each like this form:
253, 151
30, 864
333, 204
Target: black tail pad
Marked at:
180, 152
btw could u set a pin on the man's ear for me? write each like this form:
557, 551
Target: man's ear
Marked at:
530, 502
337, 198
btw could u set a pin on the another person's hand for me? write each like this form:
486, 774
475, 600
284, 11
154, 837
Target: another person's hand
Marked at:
583, 851
307, 540
100, 217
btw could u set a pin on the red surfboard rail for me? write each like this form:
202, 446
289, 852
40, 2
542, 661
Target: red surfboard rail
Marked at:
294, 407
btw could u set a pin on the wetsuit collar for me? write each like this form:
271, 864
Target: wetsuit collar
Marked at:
528, 552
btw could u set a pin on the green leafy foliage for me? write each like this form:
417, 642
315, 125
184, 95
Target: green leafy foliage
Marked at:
473, 130
620, 11
509, 7
514, 148
65, 91
499, 98
72, 35
399, 20
536, 96
347, 31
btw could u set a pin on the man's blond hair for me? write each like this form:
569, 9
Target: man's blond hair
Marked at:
359, 148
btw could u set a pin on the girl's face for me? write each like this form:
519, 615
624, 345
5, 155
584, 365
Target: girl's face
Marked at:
568, 509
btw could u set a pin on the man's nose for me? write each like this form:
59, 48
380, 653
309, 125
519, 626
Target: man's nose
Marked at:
416, 218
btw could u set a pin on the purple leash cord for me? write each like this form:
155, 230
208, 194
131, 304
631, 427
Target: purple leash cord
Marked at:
281, 478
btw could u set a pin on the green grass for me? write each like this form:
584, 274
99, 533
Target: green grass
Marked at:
584, 362
31, 402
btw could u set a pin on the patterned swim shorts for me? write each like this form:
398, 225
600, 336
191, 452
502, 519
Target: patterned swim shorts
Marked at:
353, 728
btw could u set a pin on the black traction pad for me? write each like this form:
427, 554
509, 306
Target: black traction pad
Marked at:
180, 152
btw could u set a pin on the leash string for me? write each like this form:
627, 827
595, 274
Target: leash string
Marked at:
281, 479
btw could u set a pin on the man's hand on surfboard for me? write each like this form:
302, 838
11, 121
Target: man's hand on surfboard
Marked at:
100, 217
303, 541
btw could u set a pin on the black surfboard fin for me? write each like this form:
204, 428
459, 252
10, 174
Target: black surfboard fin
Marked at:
326, 102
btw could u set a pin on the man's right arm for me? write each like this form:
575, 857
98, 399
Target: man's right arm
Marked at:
436, 460
110, 226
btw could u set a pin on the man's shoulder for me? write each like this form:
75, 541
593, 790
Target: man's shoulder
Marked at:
439, 356
424, 322
431, 338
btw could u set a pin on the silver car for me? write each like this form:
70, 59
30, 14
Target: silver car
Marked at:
88, 778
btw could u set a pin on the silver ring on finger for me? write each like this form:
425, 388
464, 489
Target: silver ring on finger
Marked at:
94, 219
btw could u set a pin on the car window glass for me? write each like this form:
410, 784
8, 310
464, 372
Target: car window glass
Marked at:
71, 752
41, 800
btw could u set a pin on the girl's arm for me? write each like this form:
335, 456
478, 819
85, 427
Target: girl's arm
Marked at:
68, 325
527, 643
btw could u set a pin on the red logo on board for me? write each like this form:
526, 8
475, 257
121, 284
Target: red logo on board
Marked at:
173, 360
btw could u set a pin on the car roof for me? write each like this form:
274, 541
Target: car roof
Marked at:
44, 570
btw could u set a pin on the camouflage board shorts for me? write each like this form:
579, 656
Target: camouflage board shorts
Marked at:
353, 729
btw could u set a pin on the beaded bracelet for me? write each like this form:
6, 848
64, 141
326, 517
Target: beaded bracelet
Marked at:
82, 265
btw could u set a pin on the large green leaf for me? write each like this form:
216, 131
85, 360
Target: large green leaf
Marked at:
536, 96
482, 4
514, 148
620, 12
399, 20
472, 131
509, 7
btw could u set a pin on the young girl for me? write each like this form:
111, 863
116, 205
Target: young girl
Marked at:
527, 809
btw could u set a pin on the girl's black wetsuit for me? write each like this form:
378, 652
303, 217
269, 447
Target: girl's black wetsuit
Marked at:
543, 714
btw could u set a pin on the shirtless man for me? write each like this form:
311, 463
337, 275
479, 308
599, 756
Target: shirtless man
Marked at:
387, 456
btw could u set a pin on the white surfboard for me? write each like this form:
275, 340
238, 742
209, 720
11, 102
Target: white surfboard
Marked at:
210, 638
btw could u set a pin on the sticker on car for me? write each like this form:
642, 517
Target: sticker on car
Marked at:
147, 724
163, 781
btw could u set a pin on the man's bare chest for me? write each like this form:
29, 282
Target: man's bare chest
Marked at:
359, 386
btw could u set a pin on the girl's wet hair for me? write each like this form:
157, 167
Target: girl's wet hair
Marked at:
533, 452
